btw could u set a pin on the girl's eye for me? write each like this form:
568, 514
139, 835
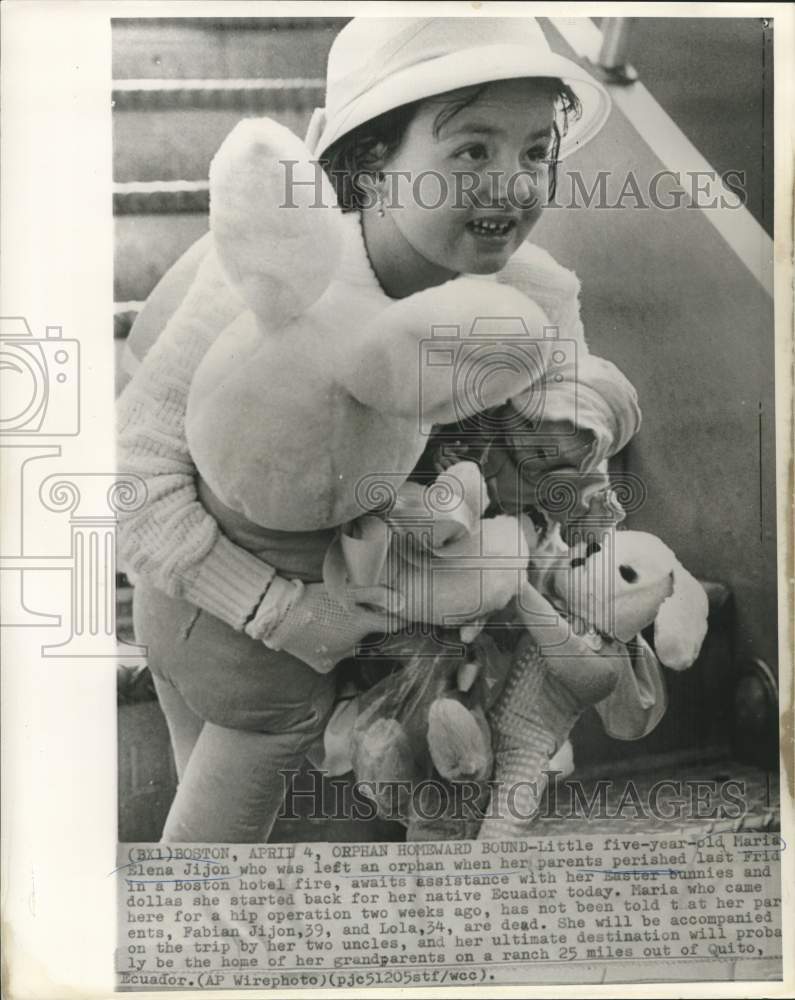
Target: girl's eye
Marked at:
476, 153
539, 154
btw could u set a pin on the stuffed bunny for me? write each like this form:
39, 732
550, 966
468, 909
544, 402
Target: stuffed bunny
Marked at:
433, 552
606, 591
309, 369
644, 583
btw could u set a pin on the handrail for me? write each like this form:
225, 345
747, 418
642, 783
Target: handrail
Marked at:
612, 60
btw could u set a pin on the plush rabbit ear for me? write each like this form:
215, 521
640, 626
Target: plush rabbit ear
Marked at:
681, 622
278, 252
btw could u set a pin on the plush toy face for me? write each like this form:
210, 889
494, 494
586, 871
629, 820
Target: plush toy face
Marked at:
615, 583
626, 580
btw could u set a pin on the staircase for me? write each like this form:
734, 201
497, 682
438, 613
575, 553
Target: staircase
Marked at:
180, 85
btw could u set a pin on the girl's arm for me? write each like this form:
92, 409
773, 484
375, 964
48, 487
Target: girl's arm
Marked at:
172, 540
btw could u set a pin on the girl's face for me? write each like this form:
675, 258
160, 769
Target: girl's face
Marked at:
465, 196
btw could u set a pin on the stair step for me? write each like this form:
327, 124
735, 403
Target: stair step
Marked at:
217, 48
277, 94
167, 144
160, 197
147, 245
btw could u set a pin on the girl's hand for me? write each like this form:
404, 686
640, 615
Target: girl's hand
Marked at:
321, 631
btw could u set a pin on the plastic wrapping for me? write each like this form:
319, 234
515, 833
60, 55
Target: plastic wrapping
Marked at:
421, 743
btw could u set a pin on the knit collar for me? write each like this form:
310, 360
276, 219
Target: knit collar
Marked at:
355, 267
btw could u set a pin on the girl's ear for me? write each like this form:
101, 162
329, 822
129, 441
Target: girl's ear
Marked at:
370, 179
681, 622
371, 187
376, 159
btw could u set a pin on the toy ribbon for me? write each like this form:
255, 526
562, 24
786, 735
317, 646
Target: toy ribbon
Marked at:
639, 700
426, 521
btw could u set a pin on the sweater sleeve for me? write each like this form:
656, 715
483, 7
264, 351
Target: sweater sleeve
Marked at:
554, 288
172, 540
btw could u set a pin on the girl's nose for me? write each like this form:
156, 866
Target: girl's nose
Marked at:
527, 187
514, 185
505, 180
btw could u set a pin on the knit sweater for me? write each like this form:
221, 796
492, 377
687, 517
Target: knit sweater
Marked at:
173, 541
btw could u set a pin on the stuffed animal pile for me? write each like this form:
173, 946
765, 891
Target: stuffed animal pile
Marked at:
567, 660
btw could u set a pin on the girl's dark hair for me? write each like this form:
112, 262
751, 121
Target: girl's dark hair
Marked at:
352, 160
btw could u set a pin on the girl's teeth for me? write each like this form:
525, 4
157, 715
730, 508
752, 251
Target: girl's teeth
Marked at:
498, 228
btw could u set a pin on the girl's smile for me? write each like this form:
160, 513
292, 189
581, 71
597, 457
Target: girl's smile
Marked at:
493, 231
464, 188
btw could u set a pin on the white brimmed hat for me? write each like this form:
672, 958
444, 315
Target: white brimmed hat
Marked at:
377, 64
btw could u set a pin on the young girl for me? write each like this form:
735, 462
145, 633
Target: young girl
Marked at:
441, 137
